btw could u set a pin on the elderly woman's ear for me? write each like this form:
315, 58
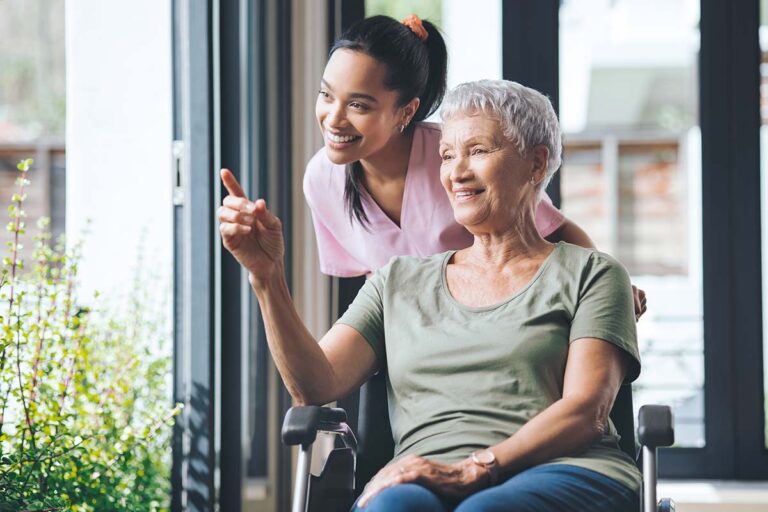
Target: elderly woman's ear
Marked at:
540, 162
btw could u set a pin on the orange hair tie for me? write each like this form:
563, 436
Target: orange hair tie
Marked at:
414, 23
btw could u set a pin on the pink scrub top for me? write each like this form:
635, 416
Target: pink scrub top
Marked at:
427, 225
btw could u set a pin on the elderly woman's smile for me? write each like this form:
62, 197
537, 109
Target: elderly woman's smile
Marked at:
463, 194
483, 172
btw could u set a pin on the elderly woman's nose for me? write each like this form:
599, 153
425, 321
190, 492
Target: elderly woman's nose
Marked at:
460, 171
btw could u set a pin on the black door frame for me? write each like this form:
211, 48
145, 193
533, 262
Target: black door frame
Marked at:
231, 61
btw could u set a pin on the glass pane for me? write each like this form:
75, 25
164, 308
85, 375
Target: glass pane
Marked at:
468, 28
631, 172
94, 388
764, 191
257, 397
431, 10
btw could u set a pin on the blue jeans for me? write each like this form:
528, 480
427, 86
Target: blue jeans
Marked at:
547, 488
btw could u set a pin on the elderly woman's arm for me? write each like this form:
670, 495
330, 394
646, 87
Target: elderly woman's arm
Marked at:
313, 373
593, 374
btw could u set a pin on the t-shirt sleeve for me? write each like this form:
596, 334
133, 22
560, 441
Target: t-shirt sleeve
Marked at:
548, 218
605, 308
366, 314
335, 260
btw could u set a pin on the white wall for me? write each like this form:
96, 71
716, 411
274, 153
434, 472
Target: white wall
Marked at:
310, 49
118, 136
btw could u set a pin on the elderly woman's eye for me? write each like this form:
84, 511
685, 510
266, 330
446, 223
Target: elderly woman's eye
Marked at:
446, 156
478, 151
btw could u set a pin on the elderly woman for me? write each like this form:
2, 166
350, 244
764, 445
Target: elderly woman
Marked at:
502, 359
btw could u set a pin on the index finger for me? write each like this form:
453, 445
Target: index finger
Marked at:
231, 184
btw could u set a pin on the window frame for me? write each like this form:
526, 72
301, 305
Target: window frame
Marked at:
230, 61
729, 82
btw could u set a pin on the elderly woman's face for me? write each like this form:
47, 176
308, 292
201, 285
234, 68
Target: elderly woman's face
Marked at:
483, 173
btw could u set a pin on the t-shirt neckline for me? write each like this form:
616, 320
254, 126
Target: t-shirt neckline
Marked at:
491, 307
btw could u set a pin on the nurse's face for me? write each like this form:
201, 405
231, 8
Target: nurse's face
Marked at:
358, 115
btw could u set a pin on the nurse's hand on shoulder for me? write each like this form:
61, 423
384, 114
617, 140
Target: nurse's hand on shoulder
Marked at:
250, 232
641, 302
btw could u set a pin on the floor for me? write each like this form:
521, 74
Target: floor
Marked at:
715, 495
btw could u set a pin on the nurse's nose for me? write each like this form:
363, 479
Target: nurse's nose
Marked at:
335, 117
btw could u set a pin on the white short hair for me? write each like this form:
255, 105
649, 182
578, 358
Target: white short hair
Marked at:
526, 116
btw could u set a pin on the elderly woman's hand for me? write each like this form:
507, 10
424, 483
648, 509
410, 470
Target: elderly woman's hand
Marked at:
249, 231
640, 302
447, 480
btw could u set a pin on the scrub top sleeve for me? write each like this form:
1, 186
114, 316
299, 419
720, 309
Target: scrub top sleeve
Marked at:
335, 260
548, 218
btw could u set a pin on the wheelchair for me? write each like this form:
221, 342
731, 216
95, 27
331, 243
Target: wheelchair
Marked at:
351, 465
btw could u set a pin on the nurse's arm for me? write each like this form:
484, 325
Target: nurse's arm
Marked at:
573, 234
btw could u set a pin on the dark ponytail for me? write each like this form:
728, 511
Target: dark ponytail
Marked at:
416, 68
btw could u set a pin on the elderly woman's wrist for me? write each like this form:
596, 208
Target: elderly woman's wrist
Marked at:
264, 284
474, 475
487, 462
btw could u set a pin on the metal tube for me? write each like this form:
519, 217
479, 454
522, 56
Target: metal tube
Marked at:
649, 479
301, 488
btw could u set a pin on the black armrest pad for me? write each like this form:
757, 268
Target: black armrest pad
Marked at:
656, 426
333, 415
301, 424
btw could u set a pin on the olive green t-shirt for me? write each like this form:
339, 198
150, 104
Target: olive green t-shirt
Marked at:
463, 378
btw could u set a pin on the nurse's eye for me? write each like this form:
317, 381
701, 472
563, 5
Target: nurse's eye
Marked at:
358, 106
323, 94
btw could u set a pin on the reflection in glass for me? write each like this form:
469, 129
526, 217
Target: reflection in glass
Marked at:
764, 192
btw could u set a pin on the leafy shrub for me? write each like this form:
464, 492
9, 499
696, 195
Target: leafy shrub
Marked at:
85, 411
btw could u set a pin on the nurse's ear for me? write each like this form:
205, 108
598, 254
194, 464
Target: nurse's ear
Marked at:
408, 111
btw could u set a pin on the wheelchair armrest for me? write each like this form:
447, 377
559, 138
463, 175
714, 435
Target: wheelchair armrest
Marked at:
655, 426
301, 424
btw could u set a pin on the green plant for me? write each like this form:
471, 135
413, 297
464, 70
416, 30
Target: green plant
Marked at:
431, 10
85, 410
